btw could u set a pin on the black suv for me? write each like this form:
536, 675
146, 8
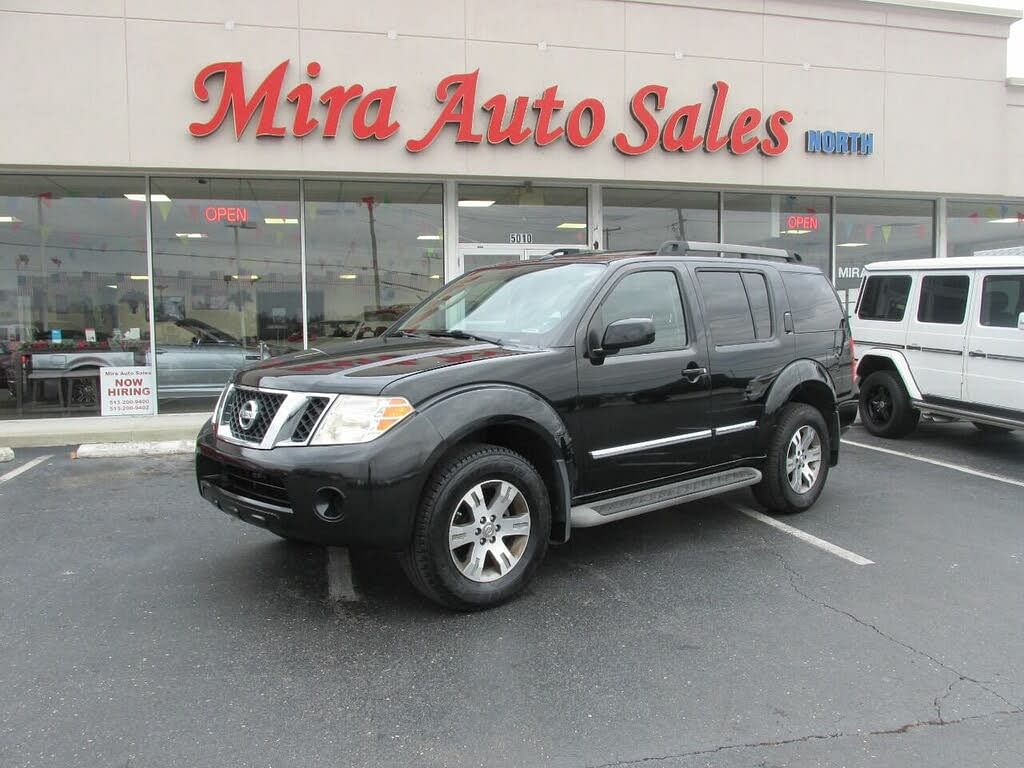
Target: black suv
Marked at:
524, 400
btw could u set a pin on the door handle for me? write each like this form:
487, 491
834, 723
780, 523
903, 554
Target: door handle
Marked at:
976, 353
914, 347
694, 374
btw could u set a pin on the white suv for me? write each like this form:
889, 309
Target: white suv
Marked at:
943, 337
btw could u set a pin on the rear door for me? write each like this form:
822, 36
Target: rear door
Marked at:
995, 357
937, 333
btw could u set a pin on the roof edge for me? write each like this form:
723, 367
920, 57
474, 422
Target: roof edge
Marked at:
952, 7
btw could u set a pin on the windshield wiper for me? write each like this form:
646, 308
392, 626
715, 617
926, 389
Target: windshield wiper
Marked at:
453, 333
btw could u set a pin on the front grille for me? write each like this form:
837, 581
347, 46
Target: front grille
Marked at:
260, 486
237, 409
310, 415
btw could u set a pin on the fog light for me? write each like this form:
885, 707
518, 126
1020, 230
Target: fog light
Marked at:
328, 504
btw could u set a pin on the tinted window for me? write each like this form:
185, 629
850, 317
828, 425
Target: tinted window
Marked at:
647, 294
884, 298
1002, 300
728, 312
812, 302
943, 299
757, 296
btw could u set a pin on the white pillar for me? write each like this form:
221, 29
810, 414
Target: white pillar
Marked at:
450, 218
595, 217
940, 228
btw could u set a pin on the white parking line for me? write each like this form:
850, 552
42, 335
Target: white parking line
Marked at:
339, 576
937, 463
24, 468
814, 541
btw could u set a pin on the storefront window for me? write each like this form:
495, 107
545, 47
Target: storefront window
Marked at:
500, 223
226, 281
797, 223
73, 295
878, 229
373, 250
646, 218
984, 228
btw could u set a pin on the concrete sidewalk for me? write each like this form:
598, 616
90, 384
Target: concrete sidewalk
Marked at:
37, 433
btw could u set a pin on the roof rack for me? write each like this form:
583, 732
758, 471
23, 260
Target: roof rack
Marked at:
671, 247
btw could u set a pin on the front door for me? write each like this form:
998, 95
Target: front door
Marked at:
995, 356
644, 413
937, 334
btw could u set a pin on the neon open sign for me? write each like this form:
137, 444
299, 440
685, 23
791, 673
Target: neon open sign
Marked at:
228, 213
802, 221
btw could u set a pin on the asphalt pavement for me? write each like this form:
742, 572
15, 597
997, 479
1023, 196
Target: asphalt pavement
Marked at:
139, 626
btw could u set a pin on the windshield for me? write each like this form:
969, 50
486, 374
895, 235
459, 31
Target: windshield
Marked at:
516, 304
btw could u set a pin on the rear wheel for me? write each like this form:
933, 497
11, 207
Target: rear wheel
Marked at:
885, 408
481, 530
796, 466
991, 429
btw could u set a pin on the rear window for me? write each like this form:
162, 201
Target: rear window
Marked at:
760, 310
727, 308
812, 301
884, 297
1002, 300
943, 299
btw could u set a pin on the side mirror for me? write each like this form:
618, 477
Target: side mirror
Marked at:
1020, 322
626, 333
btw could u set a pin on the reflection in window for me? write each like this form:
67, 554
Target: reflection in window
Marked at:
522, 215
1002, 300
797, 223
878, 229
73, 292
373, 251
885, 298
726, 307
984, 228
943, 299
226, 281
651, 295
646, 218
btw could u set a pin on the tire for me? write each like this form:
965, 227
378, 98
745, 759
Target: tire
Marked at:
885, 409
476, 481
776, 492
991, 429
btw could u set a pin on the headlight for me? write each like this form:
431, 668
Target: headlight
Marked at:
359, 419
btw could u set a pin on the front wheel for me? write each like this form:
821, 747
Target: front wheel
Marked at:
481, 530
885, 408
796, 466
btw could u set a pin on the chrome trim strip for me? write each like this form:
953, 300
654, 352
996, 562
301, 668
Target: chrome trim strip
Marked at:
618, 450
292, 406
730, 428
1009, 358
882, 344
941, 351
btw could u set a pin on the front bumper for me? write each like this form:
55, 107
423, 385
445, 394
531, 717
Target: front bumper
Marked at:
374, 487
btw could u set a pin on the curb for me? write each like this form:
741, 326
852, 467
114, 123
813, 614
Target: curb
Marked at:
127, 450
6, 454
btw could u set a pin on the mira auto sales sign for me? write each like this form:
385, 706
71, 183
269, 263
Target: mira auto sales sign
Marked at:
280, 104
129, 391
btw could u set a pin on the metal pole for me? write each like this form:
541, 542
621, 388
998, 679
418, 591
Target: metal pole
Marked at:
150, 280
302, 263
373, 250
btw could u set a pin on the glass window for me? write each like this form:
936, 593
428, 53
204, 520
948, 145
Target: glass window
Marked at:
984, 228
885, 298
1002, 300
374, 250
646, 218
943, 299
525, 215
653, 295
726, 307
226, 281
812, 302
879, 229
757, 295
798, 223
73, 291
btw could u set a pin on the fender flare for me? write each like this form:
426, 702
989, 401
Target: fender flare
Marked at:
796, 374
458, 413
898, 361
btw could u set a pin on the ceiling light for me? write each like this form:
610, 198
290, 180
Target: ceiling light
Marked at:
1010, 220
154, 198
279, 220
571, 225
111, 286
475, 203
428, 237
795, 231
435, 277
850, 245
348, 277
139, 277
190, 235
245, 277
9, 220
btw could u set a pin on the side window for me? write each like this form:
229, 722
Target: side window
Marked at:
728, 312
884, 298
647, 294
943, 299
1002, 300
760, 309
812, 301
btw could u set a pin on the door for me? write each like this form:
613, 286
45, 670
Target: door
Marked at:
937, 334
643, 412
995, 358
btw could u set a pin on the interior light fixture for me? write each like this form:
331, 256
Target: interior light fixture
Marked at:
139, 277
190, 235
245, 277
142, 198
428, 237
850, 245
475, 203
9, 220
1009, 220
572, 225
279, 220
795, 231
348, 276
435, 277
111, 286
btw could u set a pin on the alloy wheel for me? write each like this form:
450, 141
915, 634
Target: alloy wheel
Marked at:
489, 530
879, 403
803, 459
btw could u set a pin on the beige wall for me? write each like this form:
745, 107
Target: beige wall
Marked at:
108, 84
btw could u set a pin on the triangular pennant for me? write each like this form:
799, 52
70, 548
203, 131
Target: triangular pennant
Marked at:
279, 237
47, 198
974, 217
991, 212
165, 209
44, 232
886, 232
922, 231
869, 231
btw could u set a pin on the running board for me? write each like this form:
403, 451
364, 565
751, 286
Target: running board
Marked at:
639, 502
967, 415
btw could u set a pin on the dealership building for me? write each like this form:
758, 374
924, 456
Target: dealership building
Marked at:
202, 184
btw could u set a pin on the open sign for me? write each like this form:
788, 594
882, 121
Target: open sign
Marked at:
226, 213
802, 221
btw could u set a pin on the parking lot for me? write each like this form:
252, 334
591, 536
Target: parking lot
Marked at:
141, 627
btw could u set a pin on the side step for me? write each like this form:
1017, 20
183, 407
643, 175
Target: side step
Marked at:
966, 415
639, 502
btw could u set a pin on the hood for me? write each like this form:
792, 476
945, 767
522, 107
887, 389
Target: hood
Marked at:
368, 365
